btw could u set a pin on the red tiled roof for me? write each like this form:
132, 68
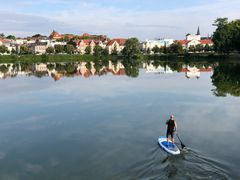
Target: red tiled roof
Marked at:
55, 35
206, 41
183, 41
120, 41
86, 41
5, 40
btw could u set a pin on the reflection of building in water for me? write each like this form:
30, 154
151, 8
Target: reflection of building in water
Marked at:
40, 67
150, 68
9, 71
194, 72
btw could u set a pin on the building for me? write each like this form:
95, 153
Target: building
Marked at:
194, 72
150, 44
55, 35
39, 47
8, 43
194, 40
83, 44
117, 44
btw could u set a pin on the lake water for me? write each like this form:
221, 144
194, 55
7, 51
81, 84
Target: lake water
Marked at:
104, 124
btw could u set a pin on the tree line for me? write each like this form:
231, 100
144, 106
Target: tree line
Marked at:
226, 38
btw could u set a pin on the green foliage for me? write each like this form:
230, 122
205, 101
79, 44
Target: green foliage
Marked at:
227, 35
11, 37
88, 50
13, 51
156, 49
3, 68
148, 51
207, 48
192, 48
97, 51
176, 47
199, 47
59, 49
50, 50
105, 52
69, 48
114, 51
71, 69
25, 50
226, 79
3, 49
132, 49
50, 66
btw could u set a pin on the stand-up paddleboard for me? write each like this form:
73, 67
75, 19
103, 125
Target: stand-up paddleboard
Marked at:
168, 146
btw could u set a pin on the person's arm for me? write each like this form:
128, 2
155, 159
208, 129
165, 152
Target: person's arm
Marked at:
167, 122
175, 125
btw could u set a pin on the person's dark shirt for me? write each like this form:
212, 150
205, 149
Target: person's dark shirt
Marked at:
171, 125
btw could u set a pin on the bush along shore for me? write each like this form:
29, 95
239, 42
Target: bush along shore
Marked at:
88, 57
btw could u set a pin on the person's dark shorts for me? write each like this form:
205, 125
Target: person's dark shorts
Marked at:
169, 133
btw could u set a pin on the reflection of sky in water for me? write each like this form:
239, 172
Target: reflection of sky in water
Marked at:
74, 126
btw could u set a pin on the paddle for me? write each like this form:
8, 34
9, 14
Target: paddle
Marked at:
183, 146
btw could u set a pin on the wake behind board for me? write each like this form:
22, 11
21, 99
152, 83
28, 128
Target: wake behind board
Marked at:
168, 146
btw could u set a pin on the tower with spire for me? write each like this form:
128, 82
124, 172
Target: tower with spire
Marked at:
198, 31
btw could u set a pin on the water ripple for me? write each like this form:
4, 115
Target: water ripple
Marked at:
190, 164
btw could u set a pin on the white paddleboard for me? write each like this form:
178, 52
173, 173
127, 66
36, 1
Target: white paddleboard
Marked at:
168, 146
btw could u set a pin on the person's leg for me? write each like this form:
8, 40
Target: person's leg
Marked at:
172, 137
167, 136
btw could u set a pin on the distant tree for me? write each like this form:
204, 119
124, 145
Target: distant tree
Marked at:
191, 48
72, 42
70, 68
132, 49
148, 50
59, 49
176, 47
105, 52
3, 49
227, 35
13, 51
50, 50
199, 47
11, 37
88, 50
97, 51
156, 49
25, 50
37, 36
3, 68
69, 48
50, 66
206, 48
115, 51
165, 49
2, 35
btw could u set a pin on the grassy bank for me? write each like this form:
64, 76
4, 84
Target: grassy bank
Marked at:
49, 58
87, 57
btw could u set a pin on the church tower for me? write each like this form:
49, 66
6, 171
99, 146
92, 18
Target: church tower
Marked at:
198, 31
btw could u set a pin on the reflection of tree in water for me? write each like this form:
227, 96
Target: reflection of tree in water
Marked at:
131, 67
226, 79
3, 68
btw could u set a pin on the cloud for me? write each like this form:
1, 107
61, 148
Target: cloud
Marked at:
25, 24
116, 19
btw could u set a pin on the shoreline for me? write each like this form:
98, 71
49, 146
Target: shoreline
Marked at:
88, 57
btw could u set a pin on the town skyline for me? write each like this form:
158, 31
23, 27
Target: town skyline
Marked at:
144, 20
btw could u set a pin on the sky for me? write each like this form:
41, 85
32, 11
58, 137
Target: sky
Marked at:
144, 19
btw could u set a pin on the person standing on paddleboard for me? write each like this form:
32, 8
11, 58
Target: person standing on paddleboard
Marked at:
171, 127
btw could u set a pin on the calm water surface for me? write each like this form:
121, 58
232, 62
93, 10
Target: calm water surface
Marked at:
106, 127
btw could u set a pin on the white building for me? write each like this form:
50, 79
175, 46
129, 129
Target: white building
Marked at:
149, 44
